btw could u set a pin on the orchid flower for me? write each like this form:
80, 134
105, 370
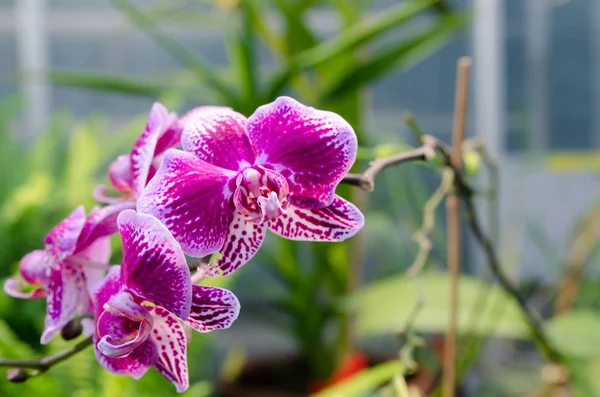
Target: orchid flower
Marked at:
142, 304
130, 173
237, 177
75, 256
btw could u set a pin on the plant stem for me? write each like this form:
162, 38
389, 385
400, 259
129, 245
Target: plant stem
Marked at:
45, 363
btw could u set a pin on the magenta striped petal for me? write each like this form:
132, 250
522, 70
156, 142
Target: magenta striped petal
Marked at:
191, 197
60, 242
67, 296
144, 149
169, 338
312, 149
212, 309
241, 244
154, 267
217, 135
337, 222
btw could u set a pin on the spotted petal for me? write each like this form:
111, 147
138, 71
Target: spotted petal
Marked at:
217, 135
169, 338
212, 308
67, 296
33, 269
154, 267
241, 244
313, 149
336, 222
191, 197
60, 242
143, 152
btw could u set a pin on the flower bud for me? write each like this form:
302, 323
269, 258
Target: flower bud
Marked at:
17, 375
72, 329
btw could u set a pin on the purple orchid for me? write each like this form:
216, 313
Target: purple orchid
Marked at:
278, 169
130, 173
75, 256
142, 304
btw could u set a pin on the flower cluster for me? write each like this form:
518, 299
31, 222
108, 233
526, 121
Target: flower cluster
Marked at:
233, 178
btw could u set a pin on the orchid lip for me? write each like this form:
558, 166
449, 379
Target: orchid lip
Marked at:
260, 194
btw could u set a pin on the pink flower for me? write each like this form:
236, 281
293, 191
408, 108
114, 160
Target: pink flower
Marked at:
237, 177
130, 173
142, 304
68, 265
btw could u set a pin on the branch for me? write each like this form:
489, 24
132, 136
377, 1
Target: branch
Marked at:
45, 363
366, 180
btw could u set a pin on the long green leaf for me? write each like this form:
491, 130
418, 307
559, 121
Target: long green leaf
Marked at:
407, 52
244, 51
202, 70
350, 39
106, 82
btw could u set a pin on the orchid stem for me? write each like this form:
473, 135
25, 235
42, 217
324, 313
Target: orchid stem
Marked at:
45, 363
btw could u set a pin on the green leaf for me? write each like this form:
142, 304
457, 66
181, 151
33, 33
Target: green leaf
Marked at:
106, 82
203, 71
576, 333
348, 40
484, 309
363, 382
244, 52
403, 54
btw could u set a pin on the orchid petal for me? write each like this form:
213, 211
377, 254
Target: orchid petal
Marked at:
191, 197
119, 173
154, 267
14, 287
34, 267
212, 308
101, 194
171, 344
67, 297
135, 364
101, 222
217, 135
241, 244
337, 222
62, 239
142, 154
312, 149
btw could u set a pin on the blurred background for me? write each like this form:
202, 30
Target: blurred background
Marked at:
77, 80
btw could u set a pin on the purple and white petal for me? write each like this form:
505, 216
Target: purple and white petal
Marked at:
169, 338
67, 297
34, 267
242, 242
212, 309
61, 241
312, 149
101, 222
171, 137
154, 267
16, 288
142, 153
218, 136
135, 364
119, 173
192, 198
336, 222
